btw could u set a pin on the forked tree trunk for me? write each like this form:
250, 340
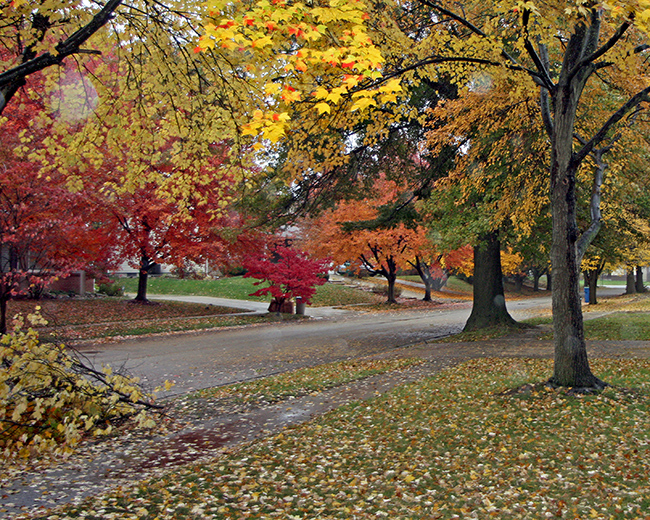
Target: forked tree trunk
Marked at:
537, 274
424, 271
391, 275
489, 305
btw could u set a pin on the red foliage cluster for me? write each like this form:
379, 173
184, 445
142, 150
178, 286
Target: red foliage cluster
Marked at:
290, 273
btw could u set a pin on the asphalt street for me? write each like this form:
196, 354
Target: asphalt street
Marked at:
205, 359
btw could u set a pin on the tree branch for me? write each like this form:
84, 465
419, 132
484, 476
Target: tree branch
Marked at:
542, 67
599, 136
591, 58
12, 79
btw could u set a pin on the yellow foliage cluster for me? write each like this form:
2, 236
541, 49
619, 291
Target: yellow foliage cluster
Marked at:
49, 399
292, 44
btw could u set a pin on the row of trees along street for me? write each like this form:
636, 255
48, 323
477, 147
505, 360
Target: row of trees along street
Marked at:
386, 134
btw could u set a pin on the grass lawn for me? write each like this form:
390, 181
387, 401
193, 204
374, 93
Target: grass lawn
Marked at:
460, 444
84, 319
628, 319
239, 288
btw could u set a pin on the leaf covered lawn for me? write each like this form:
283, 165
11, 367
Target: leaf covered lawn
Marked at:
457, 445
88, 318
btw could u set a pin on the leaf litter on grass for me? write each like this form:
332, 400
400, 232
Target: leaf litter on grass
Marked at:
455, 445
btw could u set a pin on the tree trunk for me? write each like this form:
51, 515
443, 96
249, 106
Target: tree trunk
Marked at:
424, 271
640, 288
3, 316
630, 285
537, 274
571, 367
489, 305
549, 281
143, 277
591, 281
391, 276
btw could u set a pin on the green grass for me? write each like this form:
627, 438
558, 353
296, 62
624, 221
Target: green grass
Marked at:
305, 380
457, 445
453, 284
239, 288
235, 287
620, 326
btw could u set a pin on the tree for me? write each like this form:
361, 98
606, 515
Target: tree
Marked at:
27, 30
560, 48
354, 232
430, 270
45, 232
151, 227
290, 273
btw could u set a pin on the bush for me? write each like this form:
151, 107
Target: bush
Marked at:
49, 398
110, 289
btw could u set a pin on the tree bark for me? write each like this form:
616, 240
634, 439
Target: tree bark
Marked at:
489, 305
3, 316
630, 284
591, 281
143, 277
571, 366
424, 271
640, 288
391, 276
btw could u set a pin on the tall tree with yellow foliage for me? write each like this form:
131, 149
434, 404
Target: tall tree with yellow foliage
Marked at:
562, 49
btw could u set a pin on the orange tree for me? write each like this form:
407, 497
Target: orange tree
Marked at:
350, 233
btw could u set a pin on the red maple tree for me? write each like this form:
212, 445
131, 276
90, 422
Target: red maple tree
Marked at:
290, 273
45, 230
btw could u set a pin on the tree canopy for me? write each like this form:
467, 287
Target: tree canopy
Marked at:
560, 50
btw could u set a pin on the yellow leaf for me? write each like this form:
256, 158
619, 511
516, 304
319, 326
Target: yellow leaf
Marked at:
362, 104
323, 108
321, 93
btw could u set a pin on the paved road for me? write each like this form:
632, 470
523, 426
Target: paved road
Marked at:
199, 360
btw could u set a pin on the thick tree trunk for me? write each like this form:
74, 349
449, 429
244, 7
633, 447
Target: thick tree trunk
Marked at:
630, 284
143, 277
489, 306
571, 367
591, 281
640, 288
